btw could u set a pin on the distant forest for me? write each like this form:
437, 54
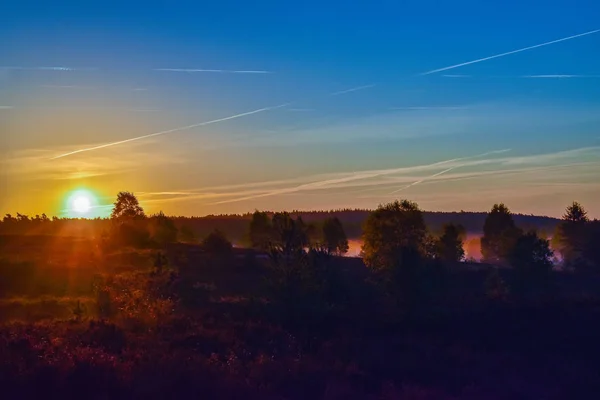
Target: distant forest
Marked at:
236, 226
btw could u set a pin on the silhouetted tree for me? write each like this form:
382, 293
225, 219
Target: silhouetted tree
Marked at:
449, 246
334, 237
129, 221
575, 213
592, 244
290, 237
127, 207
391, 233
261, 231
531, 259
570, 238
164, 230
217, 244
396, 244
499, 234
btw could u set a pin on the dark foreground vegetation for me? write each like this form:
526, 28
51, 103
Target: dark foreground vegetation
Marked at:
136, 312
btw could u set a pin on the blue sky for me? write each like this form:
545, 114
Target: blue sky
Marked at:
359, 104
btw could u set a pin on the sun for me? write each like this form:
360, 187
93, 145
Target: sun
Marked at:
82, 204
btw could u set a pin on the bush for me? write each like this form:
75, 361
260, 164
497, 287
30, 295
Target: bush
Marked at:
217, 244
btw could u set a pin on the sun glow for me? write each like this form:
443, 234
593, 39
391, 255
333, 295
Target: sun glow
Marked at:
81, 204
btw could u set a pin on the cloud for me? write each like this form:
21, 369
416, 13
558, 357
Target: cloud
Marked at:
326, 184
560, 76
423, 180
34, 164
508, 53
49, 69
6, 107
351, 179
225, 71
65, 87
429, 108
168, 131
354, 89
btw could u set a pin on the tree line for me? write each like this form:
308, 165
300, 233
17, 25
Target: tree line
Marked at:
387, 233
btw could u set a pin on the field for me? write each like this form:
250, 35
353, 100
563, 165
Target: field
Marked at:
78, 321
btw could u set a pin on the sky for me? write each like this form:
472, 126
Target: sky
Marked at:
224, 107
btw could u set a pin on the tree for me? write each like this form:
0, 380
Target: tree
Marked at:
499, 234
217, 244
129, 221
575, 213
531, 258
449, 246
392, 234
261, 231
127, 207
289, 235
397, 246
334, 237
164, 230
570, 237
592, 244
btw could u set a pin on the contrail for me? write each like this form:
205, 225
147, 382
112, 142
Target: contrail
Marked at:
423, 180
450, 169
168, 131
456, 76
355, 176
429, 108
352, 89
213, 70
510, 52
560, 76
49, 68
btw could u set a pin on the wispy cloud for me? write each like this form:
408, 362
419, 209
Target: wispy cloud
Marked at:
6, 107
224, 71
354, 89
509, 53
430, 108
214, 121
560, 76
423, 180
48, 68
34, 164
65, 87
369, 174
450, 169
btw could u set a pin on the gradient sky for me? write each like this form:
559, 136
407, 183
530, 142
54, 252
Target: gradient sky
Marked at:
361, 121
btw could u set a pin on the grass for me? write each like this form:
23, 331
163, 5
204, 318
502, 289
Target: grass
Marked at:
216, 329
